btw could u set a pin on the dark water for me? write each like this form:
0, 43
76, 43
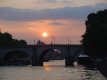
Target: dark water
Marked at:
53, 70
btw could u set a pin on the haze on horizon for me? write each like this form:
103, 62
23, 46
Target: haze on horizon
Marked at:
63, 19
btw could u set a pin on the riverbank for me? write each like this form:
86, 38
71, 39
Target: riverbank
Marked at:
82, 73
102, 68
94, 75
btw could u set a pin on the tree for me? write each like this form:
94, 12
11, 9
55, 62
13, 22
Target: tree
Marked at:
39, 42
6, 39
95, 37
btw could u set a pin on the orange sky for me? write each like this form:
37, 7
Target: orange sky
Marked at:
33, 30
63, 19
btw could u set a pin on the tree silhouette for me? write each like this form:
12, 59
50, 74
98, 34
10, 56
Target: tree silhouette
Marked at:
95, 37
39, 42
6, 39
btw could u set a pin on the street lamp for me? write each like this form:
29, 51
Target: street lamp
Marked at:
52, 40
34, 42
0, 30
69, 41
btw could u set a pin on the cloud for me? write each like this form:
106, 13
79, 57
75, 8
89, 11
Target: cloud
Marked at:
48, 4
12, 14
49, 0
57, 23
56, 1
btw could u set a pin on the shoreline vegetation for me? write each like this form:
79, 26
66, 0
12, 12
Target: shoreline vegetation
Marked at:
6, 39
94, 40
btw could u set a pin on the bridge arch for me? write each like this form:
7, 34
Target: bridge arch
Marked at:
76, 54
16, 58
68, 52
42, 55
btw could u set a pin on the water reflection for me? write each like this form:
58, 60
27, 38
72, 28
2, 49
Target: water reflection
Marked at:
46, 67
53, 70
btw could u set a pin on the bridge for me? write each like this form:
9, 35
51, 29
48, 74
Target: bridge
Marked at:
8, 52
36, 53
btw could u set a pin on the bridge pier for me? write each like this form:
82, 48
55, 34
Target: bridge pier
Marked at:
37, 63
35, 60
1, 62
69, 61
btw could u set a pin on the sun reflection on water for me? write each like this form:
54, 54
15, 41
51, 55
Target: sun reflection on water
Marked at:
46, 67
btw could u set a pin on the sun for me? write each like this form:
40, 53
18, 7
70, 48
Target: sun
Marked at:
44, 34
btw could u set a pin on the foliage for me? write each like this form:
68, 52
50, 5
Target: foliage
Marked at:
95, 37
6, 39
39, 42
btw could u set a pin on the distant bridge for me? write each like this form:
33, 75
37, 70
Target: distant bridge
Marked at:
36, 53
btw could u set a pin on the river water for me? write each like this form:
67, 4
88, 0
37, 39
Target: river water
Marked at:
52, 70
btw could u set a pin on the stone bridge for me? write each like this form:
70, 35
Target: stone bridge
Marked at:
68, 51
36, 53
7, 52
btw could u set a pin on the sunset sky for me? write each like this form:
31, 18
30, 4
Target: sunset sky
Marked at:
63, 19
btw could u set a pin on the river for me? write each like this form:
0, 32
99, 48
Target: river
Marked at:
52, 70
